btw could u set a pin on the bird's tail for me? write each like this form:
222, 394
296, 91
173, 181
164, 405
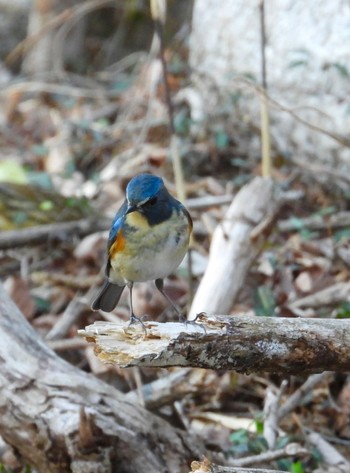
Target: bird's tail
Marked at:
108, 297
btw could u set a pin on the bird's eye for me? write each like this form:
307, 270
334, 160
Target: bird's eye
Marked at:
152, 201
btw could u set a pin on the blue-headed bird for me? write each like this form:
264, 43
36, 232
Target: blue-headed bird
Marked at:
148, 240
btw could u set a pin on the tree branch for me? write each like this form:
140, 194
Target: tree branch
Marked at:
43, 233
241, 343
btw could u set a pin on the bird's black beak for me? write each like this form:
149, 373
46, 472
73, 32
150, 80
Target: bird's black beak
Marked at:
131, 208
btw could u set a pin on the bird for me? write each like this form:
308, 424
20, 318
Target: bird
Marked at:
149, 238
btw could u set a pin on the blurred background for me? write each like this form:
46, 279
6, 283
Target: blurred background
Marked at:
250, 89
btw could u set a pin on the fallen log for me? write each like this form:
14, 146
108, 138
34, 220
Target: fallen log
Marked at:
60, 419
243, 343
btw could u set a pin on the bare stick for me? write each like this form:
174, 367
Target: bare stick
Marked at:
207, 467
42, 233
264, 105
25, 45
272, 401
235, 246
295, 399
290, 450
241, 343
316, 222
328, 452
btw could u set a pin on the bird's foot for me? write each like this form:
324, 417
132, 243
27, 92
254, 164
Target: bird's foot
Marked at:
183, 320
137, 320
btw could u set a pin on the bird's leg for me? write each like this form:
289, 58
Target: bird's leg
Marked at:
160, 286
133, 318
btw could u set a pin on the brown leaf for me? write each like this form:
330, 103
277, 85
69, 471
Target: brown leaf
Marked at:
18, 290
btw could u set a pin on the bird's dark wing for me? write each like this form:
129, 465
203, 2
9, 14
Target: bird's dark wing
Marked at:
110, 293
108, 297
188, 216
117, 224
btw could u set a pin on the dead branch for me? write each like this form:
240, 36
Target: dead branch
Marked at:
60, 419
316, 222
330, 454
296, 398
171, 388
241, 343
42, 233
290, 450
207, 467
235, 246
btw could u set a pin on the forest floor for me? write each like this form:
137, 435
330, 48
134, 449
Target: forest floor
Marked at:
66, 157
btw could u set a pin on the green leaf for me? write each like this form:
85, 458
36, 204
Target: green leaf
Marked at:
307, 234
240, 163
46, 205
343, 234
239, 436
221, 139
182, 122
40, 150
10, 171
343, 312
259, 424
20, 217
40, 179
265, 303
297, 467
343, 71
326, 211
297, 63
297, 223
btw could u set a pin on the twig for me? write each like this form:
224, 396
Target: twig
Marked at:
264, 105
334, 294
44, 233
272, 401
69, 317
158, 8
290, 450
56, 88
65, 344
343, 140
207, 467
316, 222
241, 343
270, 417
77, 13
69, 280
316, 168
208, 201
24, 46
296, 398
173, 387
328, 452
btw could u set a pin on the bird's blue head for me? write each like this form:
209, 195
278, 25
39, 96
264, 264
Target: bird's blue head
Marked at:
143, 188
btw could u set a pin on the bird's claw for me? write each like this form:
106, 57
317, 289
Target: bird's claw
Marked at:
138, 320
183, 320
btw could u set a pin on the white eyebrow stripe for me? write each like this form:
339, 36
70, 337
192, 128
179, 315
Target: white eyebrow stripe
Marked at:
141, 202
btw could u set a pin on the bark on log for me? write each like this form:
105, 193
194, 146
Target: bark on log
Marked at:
62, 420
242, 343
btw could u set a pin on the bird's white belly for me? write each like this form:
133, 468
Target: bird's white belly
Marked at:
151, 253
